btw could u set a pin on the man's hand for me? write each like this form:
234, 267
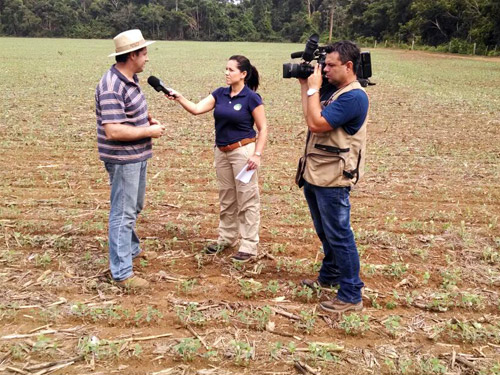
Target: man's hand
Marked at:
153, 121
302, 81
156, 130
315, 79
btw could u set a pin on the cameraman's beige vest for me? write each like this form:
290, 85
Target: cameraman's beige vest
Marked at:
336, 158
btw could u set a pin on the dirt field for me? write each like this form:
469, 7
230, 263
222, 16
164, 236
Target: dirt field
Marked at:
425, 219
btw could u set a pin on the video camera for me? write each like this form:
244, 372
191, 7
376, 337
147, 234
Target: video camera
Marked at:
312, 52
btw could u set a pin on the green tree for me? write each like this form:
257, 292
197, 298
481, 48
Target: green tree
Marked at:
262, 18
17, 19
179, 25
459, 22
437, 21
152, 17
241, 27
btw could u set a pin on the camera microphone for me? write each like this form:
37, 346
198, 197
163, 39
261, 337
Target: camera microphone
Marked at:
158, 85
296, 54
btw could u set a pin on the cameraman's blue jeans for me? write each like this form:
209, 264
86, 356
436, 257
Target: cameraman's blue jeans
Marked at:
331, 213
128, 188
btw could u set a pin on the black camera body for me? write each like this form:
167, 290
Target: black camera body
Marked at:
312, 52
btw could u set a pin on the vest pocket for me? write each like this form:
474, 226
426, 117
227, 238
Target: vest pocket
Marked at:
325, 170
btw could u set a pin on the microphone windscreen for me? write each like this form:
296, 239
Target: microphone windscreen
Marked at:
153, 81
158, 85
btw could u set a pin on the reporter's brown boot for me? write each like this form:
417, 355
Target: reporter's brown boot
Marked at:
215, 248
243, 257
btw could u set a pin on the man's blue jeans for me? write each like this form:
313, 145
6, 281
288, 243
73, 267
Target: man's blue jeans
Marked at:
331, 213
128, 188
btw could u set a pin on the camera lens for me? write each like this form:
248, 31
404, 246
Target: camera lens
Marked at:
287, 70
297, 70
303, 70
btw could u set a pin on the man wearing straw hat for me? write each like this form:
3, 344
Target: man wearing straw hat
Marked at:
124, 132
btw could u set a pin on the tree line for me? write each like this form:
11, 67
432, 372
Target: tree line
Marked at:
451, 25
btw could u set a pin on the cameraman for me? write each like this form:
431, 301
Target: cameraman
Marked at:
334, 162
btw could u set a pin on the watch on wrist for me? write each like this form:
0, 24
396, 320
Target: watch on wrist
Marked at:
311, 92
258, 153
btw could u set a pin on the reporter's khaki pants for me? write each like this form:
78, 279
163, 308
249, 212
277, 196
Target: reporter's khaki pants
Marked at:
239, 202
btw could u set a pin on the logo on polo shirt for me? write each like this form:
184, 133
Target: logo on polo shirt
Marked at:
237, 107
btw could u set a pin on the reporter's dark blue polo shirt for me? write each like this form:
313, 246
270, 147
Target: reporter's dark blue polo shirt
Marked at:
233, 116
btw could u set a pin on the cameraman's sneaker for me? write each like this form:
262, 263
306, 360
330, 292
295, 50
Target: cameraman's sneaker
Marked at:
134, 282
338, 306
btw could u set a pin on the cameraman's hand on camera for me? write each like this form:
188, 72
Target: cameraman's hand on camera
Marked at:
302, 81
315, 80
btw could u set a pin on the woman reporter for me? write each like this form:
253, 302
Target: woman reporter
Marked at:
237, 107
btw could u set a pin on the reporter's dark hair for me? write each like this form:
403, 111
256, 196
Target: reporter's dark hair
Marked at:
252, 77
347, 50
123, 58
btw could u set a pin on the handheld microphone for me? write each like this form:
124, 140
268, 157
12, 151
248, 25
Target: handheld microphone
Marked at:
158, 85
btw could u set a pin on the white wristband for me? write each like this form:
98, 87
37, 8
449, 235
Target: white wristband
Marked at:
258, 153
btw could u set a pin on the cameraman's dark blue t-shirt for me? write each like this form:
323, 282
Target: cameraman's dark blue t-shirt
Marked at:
233, 116
348, 111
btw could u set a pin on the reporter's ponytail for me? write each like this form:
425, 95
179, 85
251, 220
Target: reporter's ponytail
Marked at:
252, 77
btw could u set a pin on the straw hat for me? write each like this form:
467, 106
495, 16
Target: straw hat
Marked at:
128, 41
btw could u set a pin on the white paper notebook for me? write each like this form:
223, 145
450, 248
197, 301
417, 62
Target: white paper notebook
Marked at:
244, 175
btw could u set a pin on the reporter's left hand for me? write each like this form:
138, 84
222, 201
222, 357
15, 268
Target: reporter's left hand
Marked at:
253, 162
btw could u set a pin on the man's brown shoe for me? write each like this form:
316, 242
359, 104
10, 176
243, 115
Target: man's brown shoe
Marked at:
242, 257
338, 306
316, 284
134, 282
146, 255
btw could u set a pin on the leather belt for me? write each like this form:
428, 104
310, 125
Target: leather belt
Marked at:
234, 146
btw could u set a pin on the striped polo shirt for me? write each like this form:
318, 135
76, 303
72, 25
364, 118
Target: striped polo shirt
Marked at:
120, 101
